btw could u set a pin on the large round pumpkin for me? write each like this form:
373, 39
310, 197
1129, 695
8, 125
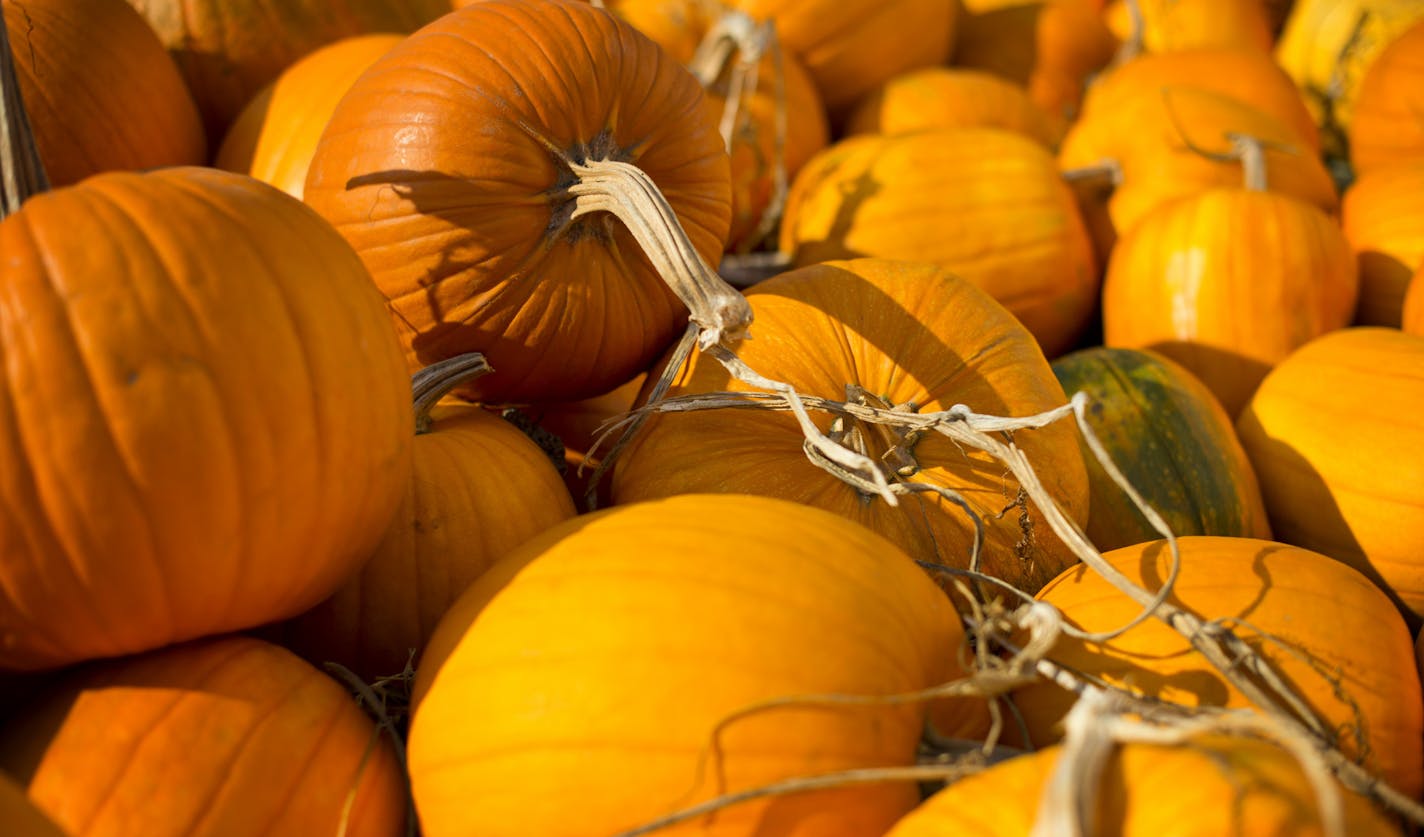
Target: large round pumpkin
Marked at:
986, 203
1171, 439
447, 167
1332, 438
903, 333
274, 137
1228, 282
935, 98
1208, 785
203, 415
1383, 217
1323, 626
1387, 125
578, 687
101, 91
230, 736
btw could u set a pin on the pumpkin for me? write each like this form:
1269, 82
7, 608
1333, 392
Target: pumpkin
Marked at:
1387, 125
448, 167
934, 98
274, 137
84, 122
984, 202
1327, 46
577, 687
1050, 47
902, 333
230, 736
1382, 214
1249, 76
579, 425
480, 488
1351, 660
1414, 304
1212, 784
216, 357
1171, 25
1175, 444
19, 817
1228, 282
1175, 141
228, 50
1326, 421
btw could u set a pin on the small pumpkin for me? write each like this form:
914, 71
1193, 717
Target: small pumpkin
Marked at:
1158, 26
592, 681
986, 203
120, 107
1387, 125
275, 135
910, 335
230, 736
1328, 433
933, 98
1212, 784
1173, 442
1382, 214
1351, 660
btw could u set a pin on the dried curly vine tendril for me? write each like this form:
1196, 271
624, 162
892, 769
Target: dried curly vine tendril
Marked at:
22, 175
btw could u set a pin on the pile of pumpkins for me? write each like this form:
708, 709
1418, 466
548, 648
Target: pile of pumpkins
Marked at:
322, 323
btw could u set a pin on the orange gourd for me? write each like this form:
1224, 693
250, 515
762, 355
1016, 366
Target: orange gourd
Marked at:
1331, 435
903, 333
577, 687
275, 135
986, 203
935, 98
449, 166
85, 121
1387, 125
1323, 626
215, 356
227, 50
229, 736
1228, 282
1209, 785
1382, 213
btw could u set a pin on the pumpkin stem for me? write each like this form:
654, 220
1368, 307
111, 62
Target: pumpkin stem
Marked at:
435, 381
22, 174
1136, 34
1249, 151
1252, 153
1107, 173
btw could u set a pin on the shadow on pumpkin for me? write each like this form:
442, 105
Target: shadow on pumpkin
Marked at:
833, 245
1384, 279
1231, 376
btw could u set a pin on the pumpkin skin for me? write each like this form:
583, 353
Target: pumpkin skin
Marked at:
232, 510
1268, 585
934, 98
1414, 304
227, 736
1172, 25
1318, 491
84, 122
227, 50
1212, 785
1383, 217
274, 137
648, 624
1170, 437
452, 205
19, 817
984, 202
1387, 125
1246, 75
1149, 138
905, 331
1227, 283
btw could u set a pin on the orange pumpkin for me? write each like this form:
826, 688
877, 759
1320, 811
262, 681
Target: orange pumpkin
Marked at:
216, 357
1172, 25
984, 202
1208, 785
1330, 435
228, 50
1388, 122
1414, 303
903, 332
1383, 217
274, 137
448, 168
578, 687
935, 98
480, 488
229, 736
1367, 693
19, 817
120, 107
1228, 282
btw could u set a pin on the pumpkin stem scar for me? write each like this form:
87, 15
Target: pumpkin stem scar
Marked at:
22, 175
